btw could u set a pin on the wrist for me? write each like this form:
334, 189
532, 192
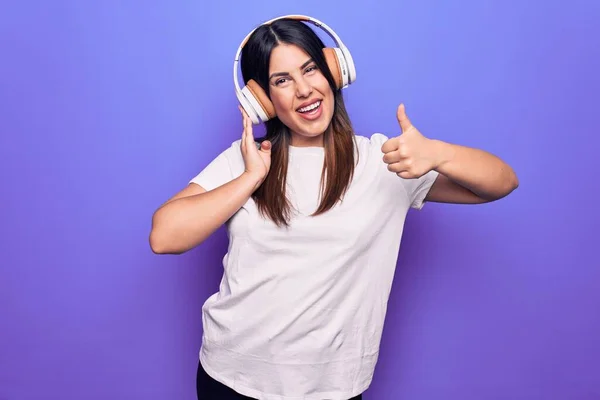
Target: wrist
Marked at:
443, 153
253, 179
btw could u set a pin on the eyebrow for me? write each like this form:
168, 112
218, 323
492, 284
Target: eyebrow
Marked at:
287, 73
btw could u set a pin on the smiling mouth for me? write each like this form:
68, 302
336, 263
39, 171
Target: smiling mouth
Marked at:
310, 109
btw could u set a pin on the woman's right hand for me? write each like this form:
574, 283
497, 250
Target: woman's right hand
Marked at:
257, 161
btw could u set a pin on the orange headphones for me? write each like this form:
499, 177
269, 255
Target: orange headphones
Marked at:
253, 98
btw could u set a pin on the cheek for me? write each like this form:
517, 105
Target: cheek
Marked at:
281, 101
331, 100
322, 83
326, 89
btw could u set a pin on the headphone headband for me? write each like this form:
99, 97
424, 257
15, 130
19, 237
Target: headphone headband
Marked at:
297, 17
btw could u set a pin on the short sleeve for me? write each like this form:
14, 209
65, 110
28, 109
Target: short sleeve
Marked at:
222, 169
416, 189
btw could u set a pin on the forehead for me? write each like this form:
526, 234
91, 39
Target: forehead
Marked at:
287, 57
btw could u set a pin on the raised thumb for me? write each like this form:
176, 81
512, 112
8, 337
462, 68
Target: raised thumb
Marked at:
403, 120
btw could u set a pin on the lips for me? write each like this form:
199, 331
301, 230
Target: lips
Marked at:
308, 103
314, 112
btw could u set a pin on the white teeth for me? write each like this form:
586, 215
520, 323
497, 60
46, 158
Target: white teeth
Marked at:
311, 107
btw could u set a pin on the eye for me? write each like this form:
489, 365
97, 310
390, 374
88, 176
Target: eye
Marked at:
311, 68
279, 81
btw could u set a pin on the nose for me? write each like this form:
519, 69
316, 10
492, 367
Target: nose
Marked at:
303, 88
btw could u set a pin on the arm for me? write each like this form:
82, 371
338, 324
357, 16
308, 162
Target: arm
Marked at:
469, 175
466, 175
194, 214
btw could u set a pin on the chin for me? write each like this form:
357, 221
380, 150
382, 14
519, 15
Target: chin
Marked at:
309, 129
309, 132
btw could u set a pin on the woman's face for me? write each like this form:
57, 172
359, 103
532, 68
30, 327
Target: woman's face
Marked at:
301, 95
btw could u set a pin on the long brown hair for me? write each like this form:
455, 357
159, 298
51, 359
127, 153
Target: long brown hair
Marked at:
339, 143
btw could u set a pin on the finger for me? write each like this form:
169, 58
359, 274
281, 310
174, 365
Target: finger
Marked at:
406, 175
244, 130
249, 133
265, 146
243, 126
242, 112
248, 138
397, 167
403, 120
389, 145
392, 157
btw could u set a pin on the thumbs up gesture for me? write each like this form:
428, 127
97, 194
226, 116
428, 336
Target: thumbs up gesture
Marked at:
409, 155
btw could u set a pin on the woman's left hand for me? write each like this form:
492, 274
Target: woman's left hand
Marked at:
409, 155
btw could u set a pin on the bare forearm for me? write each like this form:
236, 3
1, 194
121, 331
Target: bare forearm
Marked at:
483, 173
184, 223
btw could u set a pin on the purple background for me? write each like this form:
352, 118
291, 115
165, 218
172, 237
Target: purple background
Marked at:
107, 109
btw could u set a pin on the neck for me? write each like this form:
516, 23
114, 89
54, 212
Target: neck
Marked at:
304, 141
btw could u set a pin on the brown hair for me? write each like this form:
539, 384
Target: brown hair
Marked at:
339, 144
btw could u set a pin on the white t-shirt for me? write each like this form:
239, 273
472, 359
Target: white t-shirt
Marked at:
300, 311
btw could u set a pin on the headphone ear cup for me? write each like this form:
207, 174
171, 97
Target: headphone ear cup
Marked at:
242, 96
333, 62
349, 63
262, 100
256, 113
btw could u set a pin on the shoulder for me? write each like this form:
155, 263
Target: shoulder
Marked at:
368, 151
234, 155
233, 152
229, 157
370, 143
375, 138
228, 164
235, 147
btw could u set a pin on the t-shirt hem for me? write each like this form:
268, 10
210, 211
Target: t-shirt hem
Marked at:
257, 394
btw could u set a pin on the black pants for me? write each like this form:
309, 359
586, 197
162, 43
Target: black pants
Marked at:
209, 389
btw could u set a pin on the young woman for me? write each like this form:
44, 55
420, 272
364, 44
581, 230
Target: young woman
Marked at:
315, 215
